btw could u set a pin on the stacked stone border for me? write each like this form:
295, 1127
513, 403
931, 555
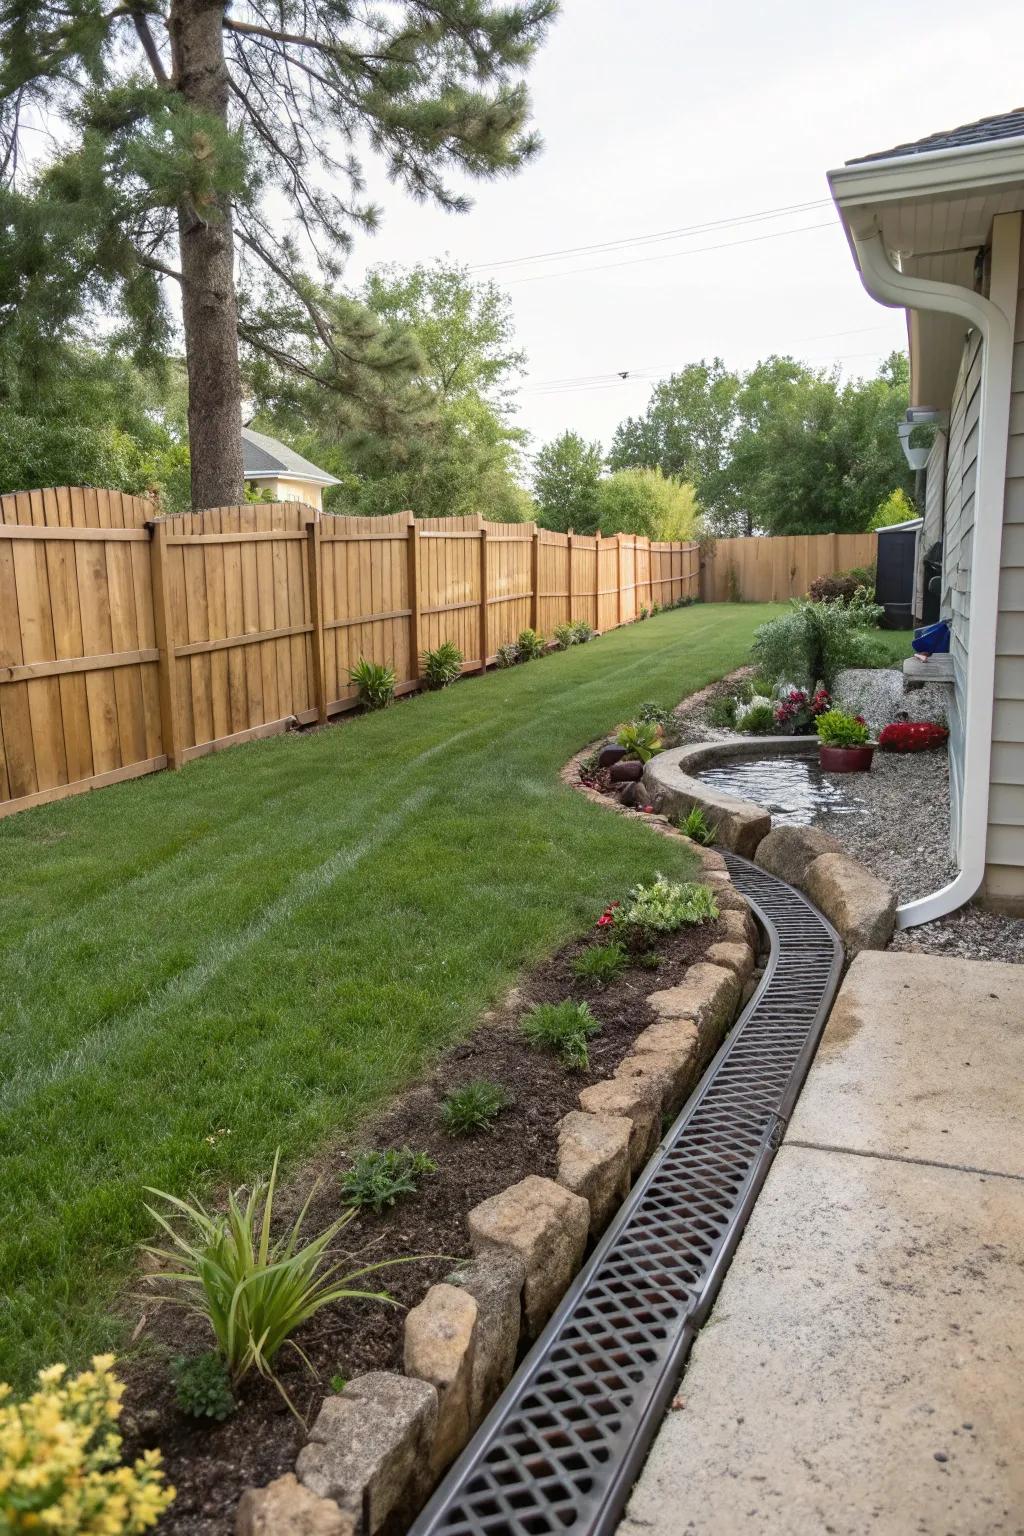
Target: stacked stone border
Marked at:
376, 1451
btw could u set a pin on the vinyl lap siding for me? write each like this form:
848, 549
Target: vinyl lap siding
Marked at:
961, 461
1004, 875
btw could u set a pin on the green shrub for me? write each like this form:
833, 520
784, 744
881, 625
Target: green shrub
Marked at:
443, 665
843, 586
756, 718
722, 710
663, 907
565, 635
696, 826
641, 739
473, 1107
529, 644
508, 655
582, 632
655, 714
838, 729
562, 1027
202, 1386
601, 963
252, 1289
815, 641
375, 684
378, 1179
644, 613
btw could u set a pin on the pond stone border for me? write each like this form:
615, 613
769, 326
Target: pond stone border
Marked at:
673, 790
377, 1449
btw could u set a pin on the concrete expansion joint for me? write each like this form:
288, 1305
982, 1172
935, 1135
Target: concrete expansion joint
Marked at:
897, 1157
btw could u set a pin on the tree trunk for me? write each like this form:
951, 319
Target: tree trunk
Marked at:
209, 305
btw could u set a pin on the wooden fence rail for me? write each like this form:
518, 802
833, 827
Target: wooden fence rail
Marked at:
130, 642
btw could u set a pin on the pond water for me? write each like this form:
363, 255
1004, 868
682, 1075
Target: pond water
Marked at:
792, 788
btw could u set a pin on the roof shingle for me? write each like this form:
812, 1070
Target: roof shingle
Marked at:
1005, 125
263, 455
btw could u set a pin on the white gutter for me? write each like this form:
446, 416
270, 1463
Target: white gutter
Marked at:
898, 290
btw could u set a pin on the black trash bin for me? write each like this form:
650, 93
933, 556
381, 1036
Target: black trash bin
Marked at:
894, 578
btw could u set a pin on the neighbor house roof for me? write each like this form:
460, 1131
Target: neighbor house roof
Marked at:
1004, 125
264, 458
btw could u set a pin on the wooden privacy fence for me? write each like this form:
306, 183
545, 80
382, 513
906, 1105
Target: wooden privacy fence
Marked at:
771, 570
130, 643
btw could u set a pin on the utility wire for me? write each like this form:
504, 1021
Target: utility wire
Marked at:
664, 234
696, 250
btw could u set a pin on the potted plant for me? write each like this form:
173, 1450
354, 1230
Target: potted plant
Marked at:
843, 742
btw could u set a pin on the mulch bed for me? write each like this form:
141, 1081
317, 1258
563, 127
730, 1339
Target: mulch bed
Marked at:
211, 1465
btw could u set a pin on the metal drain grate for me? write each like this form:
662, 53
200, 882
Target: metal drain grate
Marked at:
563, 1446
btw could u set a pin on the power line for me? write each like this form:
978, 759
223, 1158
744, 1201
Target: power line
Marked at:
664, 234
698, 250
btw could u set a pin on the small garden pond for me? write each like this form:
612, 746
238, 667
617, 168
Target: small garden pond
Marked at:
792, 788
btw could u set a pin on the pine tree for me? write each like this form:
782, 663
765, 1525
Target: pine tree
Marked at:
188, 126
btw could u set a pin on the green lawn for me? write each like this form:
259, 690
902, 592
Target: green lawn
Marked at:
274, 939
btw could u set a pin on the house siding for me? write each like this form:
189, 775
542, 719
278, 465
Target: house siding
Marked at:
934, 505
1004, 874
961, 461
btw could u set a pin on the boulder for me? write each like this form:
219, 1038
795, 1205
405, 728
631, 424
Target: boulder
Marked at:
708, 995
610, 754
625, 771
285, 1508
672, 1035
593, 1161
738, 927
370, 1448
546, 1225
495, 1281
862, 907
735, 957
674, 1072
639, 1100
787, 852
440, 1340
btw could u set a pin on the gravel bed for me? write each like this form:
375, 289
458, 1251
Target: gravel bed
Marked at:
903, 836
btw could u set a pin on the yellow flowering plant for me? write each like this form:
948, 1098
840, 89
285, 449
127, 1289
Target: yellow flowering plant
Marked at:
60, 1455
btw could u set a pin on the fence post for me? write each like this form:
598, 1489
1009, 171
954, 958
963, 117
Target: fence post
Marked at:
413, 569
314, 561
485, 645
570, 537
170, 719
535, 579
618, 578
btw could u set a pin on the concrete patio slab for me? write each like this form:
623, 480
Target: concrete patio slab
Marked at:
863, 1368
923, 1057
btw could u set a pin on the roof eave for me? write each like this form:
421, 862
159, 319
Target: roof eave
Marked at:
289, 474
927, 173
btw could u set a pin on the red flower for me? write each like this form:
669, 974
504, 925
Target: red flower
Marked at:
912, 736
604, 920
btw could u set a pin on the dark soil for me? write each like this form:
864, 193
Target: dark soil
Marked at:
211, 1464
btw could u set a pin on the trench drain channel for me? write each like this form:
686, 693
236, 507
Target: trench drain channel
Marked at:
564, 1444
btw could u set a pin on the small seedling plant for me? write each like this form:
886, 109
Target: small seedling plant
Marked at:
564, 1028
202, 1387
641, 739
474, 1107
377, 1179
662, 907
374, 683
696, 826
601, 963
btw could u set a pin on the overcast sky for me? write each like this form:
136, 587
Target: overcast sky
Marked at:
657, 116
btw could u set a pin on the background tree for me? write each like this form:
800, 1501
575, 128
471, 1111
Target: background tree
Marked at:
686, 430
646, 501
186, 127
440, 440
566, 475
896, 508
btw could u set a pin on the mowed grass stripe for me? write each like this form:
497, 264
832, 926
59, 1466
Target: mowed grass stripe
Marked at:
176, 966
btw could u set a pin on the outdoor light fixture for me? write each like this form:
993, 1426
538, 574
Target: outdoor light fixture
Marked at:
918, 416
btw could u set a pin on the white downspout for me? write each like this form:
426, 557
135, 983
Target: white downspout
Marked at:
899, 290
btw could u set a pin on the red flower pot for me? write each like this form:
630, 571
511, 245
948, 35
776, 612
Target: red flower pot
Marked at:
845, 759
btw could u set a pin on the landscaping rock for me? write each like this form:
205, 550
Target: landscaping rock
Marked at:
673, 1035
710, 858
739, 824
639, 1100
674, 1072
613, 753
593, 1161
739, 927
285, 1508
622, 772
440, 1340
862, 907
633, 794
369, 1449
788, 851
880, 695
546, 1225
708, 995
735, 957
495, 1281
